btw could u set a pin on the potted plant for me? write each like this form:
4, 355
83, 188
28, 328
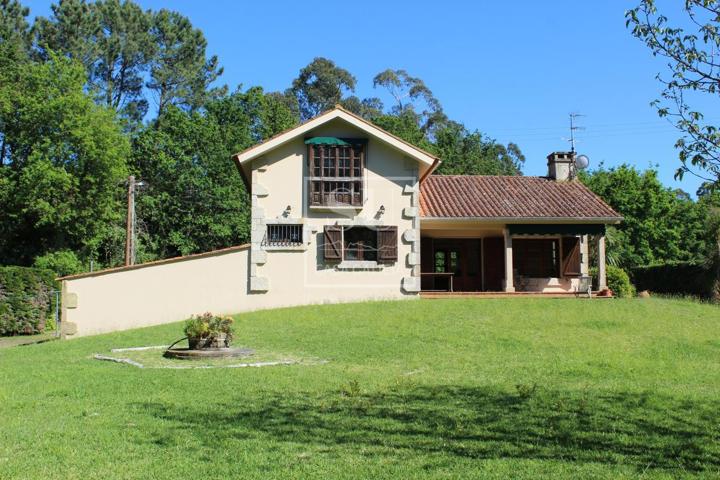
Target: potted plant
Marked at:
209, 331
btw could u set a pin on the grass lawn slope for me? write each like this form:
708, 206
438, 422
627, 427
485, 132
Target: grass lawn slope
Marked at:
516, 388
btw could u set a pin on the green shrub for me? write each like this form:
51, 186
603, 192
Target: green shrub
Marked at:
617, 280
207, 327
680, 278
62, 262
25, 299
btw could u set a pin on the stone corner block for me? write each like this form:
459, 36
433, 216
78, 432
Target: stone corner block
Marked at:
410, 235
413, 259
411, 284
411, 212
409, 189
259, 190
259, 284
257, 212
70, 300
258, 256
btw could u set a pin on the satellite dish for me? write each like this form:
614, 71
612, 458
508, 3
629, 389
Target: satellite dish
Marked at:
582, 162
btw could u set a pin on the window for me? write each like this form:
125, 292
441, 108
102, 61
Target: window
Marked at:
536, 258
284, 235
358, 243
336, 174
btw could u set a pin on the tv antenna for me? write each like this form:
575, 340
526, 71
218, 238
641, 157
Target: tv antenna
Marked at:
573, 128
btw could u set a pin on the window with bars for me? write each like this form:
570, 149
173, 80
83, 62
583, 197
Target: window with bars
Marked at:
336, 175
282, 235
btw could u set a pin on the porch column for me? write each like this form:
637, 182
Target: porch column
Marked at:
602, 279
508, 283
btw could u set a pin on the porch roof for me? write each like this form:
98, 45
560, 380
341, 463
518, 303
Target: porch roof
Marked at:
511, 198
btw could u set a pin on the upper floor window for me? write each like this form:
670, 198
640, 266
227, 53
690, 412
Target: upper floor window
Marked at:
336, 174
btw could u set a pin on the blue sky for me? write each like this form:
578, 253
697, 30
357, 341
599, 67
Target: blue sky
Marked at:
513, 70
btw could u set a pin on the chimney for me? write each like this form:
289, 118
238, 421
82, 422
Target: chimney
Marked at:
560, 166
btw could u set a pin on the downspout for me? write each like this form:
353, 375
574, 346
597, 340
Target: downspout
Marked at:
430, 170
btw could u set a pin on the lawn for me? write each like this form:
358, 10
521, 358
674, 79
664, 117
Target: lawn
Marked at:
521, 388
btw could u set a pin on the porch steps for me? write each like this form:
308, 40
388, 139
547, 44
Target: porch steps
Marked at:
442, 295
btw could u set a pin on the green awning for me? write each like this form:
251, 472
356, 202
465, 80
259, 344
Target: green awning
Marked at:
557, 229
326, 141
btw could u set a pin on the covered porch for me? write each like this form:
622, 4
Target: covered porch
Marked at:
461, 256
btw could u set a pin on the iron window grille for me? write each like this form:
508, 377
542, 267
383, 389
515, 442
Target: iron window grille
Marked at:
281, 235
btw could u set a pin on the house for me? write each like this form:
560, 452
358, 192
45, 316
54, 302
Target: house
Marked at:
344, 211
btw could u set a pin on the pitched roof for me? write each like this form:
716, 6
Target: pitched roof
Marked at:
337, 112
511, 197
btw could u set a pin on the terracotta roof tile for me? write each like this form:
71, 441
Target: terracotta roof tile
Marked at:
476, 196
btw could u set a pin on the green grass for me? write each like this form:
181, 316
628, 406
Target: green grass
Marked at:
520, 388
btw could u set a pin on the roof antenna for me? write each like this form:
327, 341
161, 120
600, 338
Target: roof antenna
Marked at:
573, 127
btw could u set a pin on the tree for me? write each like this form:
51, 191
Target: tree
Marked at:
693, 57
65, 158
320, 86
180, 72
112, 41
197, 201
470, 153
659, 225
411, 93
14, 29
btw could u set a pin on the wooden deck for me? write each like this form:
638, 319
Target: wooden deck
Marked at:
440, 295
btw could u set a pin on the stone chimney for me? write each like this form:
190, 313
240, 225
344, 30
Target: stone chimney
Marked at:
560, 166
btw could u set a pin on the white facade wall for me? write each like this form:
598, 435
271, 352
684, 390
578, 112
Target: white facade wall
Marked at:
257, 277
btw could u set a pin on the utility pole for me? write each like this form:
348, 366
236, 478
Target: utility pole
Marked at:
130, 226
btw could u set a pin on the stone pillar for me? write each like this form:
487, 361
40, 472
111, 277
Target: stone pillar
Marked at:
602, 278
508, 283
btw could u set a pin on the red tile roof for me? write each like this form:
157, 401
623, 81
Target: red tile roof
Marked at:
505, 197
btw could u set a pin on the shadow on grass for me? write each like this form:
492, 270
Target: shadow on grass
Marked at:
646, 431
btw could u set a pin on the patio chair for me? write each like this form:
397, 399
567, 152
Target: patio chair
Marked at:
584, 286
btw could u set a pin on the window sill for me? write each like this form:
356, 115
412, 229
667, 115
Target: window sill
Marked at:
359, 265
288, 248
335, 207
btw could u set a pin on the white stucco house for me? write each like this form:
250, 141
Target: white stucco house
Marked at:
344, 211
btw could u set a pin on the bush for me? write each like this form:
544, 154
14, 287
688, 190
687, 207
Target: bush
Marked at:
617, 280
62, 262
208, 327
25, 299
680, 278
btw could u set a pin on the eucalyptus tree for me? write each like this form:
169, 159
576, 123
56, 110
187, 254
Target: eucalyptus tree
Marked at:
320, 86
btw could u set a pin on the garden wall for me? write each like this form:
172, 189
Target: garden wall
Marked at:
155, 292
172, 290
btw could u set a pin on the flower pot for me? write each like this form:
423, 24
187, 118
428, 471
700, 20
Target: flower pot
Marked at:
219, 340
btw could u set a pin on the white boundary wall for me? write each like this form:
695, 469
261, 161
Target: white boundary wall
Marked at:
172, 290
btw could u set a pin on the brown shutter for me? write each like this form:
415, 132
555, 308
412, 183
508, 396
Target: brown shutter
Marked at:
387, 244
571, 256
333, 242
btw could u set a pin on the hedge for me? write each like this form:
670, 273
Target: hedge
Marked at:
25, 299
696, 279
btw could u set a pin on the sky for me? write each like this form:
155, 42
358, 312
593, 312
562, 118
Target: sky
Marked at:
513, 70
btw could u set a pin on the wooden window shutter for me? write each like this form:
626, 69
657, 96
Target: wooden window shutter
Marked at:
387, 244
333, 242
571, 256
